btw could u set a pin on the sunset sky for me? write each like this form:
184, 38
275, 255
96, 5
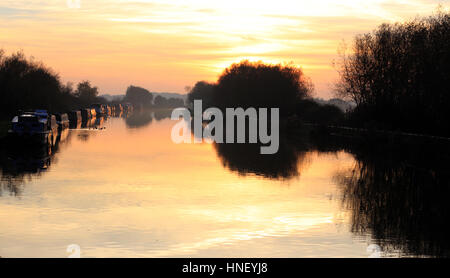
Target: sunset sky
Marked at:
167, 45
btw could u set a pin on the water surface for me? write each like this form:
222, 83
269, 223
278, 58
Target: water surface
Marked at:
125, 190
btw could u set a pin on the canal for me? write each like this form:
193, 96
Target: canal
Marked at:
122, 188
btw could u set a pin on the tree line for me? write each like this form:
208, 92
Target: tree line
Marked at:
399, 76
142, 98
256, 84
26, 84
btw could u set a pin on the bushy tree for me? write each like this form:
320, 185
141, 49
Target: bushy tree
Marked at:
202, 91
26, 84
138, 96
86, 93
399, 76
255, 84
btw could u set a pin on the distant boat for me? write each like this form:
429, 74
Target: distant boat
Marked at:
93, 112
74, 118
127, 107
62, 119
118, 108
86, 114
108, 110
37, 126
99, 109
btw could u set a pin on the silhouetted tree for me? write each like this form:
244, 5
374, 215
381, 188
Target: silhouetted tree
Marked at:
202, 91
255, 84
86, 93
399, 76
26, 84
139, 119
139, 97
163, 102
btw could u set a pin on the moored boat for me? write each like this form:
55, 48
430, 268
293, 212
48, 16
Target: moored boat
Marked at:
35, 127
74, 118
62, 119
108, 109
86, 114
127, 107
99, 109
93, 112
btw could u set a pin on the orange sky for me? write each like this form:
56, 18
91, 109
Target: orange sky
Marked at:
166, 45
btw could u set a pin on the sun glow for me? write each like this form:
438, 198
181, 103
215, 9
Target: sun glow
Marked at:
166, 45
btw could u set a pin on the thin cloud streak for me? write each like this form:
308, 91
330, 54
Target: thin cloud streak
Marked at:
166, 45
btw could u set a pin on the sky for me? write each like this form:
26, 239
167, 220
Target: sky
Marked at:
166, 45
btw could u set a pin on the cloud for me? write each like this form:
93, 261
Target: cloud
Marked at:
114, 42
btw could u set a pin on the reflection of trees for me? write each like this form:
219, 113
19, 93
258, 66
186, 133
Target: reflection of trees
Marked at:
288, 162
19, 164
402, 202
162, 114
292, 155
139, 118
246, 159
89, 123
293, 152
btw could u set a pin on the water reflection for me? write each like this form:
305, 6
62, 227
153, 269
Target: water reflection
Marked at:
18, 164
21, 163
246, 159
400, 198
394, 197
397, 196
161, 114
139, 119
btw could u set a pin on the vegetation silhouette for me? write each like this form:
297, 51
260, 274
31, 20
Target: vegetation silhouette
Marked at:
26, 84
255, 84
139, 97
399, 197
246, 159
399, 76
86, 94
309, 111
161, 114
259, 85
20, 164
139, 118
204, 91
162, 102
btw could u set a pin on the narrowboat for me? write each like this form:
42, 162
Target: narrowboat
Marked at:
127, 108
93, 112
75, 118
118, 107
35, 127
99, 109
62, 119
86, 114
108, 110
